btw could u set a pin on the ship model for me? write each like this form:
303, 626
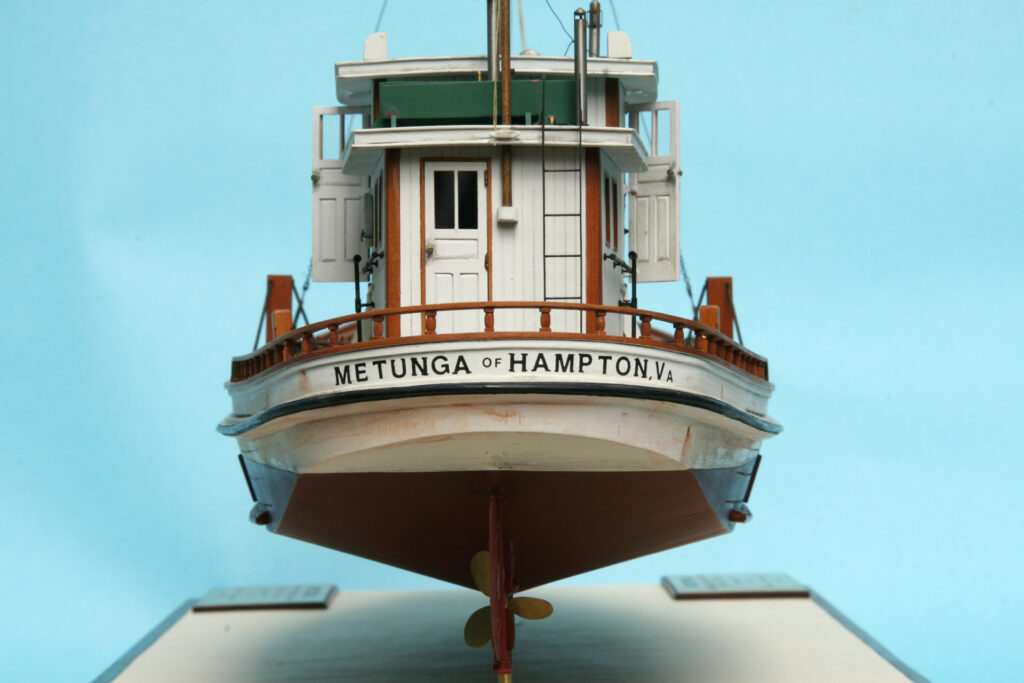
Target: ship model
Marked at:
499, 412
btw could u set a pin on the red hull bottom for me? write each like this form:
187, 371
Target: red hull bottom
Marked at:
558, 524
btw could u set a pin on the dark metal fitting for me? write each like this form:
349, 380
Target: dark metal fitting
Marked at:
260, 514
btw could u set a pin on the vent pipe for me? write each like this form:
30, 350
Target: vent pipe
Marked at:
595, 28
505, 40
580, 39
492, 40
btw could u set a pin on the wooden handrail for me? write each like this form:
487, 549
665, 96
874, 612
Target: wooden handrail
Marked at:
322, 338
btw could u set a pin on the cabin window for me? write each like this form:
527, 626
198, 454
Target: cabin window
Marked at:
455, 200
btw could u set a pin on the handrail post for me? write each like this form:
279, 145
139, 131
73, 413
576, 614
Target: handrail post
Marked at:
599, 322
545, 318
678, 336
645, 327
378, 327
488, 319
430, 322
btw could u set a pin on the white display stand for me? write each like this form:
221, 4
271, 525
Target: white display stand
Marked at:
717, 633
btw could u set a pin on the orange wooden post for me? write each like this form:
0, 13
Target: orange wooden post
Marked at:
378, 325
545, 318
430, 326
645, 327
720, 295
599, 322
280, 322
678, 336
279, 298
709, 315
488, 318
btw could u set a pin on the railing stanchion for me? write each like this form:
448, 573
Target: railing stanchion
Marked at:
488, 319
645, 327
378, 326
599, 322
430, 322
545, 318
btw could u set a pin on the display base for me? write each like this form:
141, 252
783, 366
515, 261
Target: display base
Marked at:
607, 633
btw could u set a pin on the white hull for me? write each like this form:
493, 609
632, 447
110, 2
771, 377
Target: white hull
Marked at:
562, 406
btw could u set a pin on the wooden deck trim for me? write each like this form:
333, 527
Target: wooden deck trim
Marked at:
315, 340
392, 237
594, 239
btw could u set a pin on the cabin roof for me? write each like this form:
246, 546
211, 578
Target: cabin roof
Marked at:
365, 146
354, 80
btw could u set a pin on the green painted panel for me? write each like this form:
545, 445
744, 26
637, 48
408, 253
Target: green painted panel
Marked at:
459, 102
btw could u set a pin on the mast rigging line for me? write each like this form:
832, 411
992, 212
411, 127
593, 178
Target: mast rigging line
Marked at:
380, 16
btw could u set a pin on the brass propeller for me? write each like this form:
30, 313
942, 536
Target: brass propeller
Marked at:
478, 627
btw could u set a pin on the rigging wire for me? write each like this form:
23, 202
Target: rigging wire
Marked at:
263, 313
615, 15
558, 19
735, 318
564, 30
686, 279
305, 286
522, 26
380, 16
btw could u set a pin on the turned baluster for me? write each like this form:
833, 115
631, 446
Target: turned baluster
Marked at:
678, 337
430, 323
307, 342
545, 318
599, 322
332, 335
287, 350
488, 319
378, 326
645, 327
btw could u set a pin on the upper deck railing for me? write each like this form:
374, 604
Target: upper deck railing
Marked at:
328, 337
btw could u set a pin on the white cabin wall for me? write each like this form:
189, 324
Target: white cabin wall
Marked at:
411, 245
517, 251
595, 102
613, 287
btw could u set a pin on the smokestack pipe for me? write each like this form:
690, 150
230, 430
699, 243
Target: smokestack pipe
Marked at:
492, 40
580, 40
595, 28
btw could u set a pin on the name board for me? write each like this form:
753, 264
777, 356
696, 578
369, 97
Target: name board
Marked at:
508, 363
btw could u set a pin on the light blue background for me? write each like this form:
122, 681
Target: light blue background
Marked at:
856, 166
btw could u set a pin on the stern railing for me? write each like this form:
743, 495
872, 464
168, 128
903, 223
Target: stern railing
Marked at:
334, 335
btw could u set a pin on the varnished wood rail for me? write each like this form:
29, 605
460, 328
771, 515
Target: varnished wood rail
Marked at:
327, 337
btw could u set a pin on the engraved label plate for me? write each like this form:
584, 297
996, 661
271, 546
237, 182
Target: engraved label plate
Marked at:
704, 586
267, 597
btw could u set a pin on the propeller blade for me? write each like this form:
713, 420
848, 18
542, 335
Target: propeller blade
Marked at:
480, 567
478, 628
532, 608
